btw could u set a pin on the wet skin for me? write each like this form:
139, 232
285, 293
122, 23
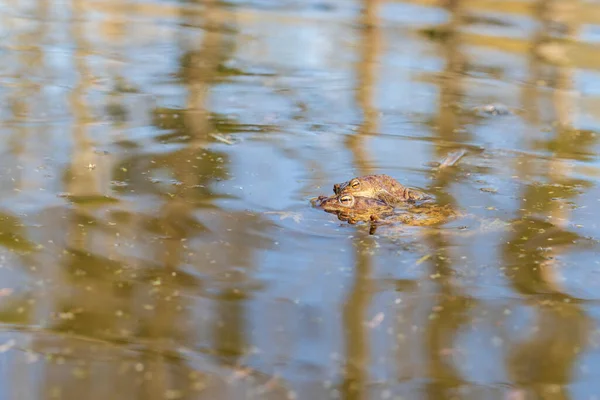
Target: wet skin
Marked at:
354, 208
357, 208
381, 187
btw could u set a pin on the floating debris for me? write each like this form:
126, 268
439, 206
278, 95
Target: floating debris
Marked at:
489, 190
220, 138
493, 109
423, 259
296, 216
376, 321
88, 199
452, 158
7, 346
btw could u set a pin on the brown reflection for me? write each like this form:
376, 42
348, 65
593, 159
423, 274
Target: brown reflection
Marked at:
451, 310
22, 99
355, 309
370, 50
447, 122
451, 87
21, 93
450, 306
199, 71
77, 308
121, 280
551, 198
544, 363
355, 381
199, 68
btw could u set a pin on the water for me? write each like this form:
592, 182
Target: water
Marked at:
158, 158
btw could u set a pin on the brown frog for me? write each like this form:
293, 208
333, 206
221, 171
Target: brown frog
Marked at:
381, 187
358, 208
354, 208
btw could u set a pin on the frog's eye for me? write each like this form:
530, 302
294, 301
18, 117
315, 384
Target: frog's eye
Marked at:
346, 200
355, 183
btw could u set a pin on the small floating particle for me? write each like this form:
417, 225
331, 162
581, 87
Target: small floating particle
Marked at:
515, 394
222, 139
447, 351
376, 321
295, 216
79, 373
7, 346
240, 373
118, 183
31, 358
489, 190
66, 315
173, 394
452, 158
423, 259
493, 109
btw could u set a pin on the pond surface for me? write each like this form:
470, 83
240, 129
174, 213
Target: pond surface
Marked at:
158, 160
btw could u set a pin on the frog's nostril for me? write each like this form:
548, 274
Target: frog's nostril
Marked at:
319, 201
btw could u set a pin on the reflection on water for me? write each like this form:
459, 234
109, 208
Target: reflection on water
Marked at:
156, 235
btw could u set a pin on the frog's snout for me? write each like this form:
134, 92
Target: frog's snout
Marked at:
318, 201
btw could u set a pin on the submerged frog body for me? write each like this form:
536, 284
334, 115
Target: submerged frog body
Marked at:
357, 208
428, 214
381, 187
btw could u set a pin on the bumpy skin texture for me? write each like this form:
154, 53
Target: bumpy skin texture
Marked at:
426, 215
381, 187
355, 208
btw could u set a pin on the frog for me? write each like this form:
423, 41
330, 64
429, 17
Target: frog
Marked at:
377, 212
353, 209
381, 187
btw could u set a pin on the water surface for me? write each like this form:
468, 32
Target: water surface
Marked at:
158, 157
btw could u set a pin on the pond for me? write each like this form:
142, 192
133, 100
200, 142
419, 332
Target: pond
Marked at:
159, 157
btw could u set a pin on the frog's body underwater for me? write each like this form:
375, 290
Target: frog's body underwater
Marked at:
353, 209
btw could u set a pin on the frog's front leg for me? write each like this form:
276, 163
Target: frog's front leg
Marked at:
375, 222
372, 228
347, 217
